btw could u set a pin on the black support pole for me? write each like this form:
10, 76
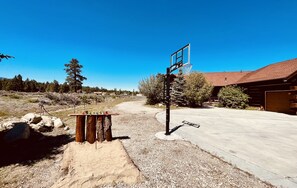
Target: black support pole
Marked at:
167, 101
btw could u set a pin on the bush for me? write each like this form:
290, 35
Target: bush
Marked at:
34, 100
197, 89
152, 88
14, 96
233, 97
63, 99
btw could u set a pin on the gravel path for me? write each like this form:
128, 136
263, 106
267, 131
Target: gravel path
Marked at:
172, 163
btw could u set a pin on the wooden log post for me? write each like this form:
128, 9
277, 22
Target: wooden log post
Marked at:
107, 128
100, 131
80, 128
91, 129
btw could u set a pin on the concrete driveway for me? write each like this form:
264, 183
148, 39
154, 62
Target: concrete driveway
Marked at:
259, 142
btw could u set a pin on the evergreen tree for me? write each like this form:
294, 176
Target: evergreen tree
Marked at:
27, 85
178, 90
64, 88
56, 86
33, 85
74, 78
15, 84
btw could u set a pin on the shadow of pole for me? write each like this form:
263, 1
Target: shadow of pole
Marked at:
175, 128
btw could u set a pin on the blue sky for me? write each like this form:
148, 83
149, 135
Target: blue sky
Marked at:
122, 42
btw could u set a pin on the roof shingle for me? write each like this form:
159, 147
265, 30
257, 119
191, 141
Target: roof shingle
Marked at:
224, 78
281, 70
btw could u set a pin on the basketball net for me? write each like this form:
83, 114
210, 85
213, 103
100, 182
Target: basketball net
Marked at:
186, 68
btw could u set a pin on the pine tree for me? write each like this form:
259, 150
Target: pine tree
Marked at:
74, 78
27, 87
178, 87
64, 88
16, 84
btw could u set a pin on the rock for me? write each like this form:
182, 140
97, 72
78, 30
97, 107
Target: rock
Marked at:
41, 127
58, 123
71, 131
54, 118
34, 126
32, 118
9, 124
66, 128
47, 121
19, 131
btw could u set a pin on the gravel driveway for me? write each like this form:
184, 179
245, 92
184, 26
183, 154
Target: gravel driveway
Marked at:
262, 143
171, 163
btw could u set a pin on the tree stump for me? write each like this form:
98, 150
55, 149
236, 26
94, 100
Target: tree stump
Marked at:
107, 128
91, 129
100, 131
80, 129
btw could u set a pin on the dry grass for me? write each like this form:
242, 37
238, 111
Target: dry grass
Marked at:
91, 108
17, 104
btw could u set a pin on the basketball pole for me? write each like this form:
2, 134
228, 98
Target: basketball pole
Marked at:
169, 70
173, 66
167, 101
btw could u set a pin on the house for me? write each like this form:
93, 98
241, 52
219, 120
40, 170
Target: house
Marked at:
273, 87
221, 79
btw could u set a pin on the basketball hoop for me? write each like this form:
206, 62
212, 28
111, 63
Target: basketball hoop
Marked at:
178, 60
186, 68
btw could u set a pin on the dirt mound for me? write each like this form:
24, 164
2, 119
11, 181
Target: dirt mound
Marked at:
90, 165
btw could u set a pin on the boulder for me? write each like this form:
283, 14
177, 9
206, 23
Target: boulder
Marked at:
47, 121
9, 124
66, 128
19, 131
58, 123
41, 127
34, 126
32, 118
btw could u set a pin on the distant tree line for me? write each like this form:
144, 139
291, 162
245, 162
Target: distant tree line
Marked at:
18, 84
74, 81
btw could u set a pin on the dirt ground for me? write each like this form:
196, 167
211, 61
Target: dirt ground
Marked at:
93, 165
162, 163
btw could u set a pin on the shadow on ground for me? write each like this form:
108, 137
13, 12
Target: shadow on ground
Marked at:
121, 138
37, 147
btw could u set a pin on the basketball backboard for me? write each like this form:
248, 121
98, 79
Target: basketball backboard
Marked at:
182, 56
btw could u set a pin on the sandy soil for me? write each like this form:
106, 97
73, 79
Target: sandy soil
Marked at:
91, 165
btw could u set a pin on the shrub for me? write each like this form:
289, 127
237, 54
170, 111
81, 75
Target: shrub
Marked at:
63, 99
52, 97
34, 100
233, 97
197, 89
152, 88
14, 96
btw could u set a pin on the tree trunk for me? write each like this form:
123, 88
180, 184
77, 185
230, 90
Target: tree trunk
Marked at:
100, 131
80, 129
107, 128
91, 129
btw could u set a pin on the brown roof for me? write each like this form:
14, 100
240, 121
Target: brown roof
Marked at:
281, 70
224, 78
